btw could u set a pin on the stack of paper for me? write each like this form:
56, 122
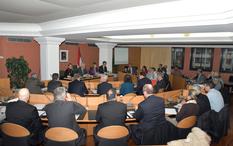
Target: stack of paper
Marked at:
170, 111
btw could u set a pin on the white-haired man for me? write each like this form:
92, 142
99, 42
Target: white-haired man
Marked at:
61, 113
26, 115
104, 86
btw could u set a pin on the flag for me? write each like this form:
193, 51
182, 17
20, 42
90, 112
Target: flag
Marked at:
79, 58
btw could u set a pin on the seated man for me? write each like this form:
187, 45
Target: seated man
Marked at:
77, 86
110, 113
26, 115
54, 83
103, 68
150, 114
34, 85
104, 86
214, 96
200, 77
61, 113
141, 82
82, 70
160, 85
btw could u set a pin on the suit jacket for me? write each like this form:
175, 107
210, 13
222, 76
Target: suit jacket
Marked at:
82, 71
126, 87
131, 70
188, 109
103, 88
93, 70
111, 113
150, 112
34, 85
159, 85
69, 72
103, 69
77, 87
140, 85
26, 115
53, 84
203, 103
62, 114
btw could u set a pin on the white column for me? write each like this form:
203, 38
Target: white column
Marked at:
49, 56
105, 53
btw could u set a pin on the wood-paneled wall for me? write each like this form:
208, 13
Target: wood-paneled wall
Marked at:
152, 57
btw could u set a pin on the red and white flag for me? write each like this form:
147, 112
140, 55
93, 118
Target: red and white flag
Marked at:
79, 58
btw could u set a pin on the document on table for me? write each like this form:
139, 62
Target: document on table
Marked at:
42, 113
170, 111
39, 106
130, 114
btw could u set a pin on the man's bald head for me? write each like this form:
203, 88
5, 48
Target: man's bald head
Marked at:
24, 94
148, 89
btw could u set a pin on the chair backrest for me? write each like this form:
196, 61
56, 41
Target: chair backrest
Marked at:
61, 134
14, 130
187, 122
113, 132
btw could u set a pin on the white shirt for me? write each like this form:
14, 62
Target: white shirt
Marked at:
215, 99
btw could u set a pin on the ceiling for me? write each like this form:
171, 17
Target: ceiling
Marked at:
38, 11
91, 21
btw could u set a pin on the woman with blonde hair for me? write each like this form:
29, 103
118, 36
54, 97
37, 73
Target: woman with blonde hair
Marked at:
189, 107
202, 100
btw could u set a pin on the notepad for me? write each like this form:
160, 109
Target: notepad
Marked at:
77, 116
42, 113
130, 114
170, 111
39, 106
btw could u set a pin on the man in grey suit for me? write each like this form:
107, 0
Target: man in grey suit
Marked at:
61, 113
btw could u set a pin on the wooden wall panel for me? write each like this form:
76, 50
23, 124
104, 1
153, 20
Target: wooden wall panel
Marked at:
135, 56
152, 57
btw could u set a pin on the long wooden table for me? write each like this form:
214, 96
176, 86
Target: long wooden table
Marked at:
91, 103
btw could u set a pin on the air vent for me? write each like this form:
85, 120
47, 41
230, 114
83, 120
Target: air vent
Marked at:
19, 39
71, 43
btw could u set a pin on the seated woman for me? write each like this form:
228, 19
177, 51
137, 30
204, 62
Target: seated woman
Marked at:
127, 86
189, 107
202, 100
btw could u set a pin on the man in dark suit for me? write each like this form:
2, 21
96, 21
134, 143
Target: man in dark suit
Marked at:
61, 113
77, 86
26, 115
104, 86
54, 83
34, 85
150, 114
110, 113
82, 69
103, 68
161, 84
141, 82
69, 72
130, 69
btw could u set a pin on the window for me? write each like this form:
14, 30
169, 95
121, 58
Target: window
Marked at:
201, 58
227, 60
178, 57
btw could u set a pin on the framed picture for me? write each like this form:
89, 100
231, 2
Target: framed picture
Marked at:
227, 60
64, 55
201, 58
178, 57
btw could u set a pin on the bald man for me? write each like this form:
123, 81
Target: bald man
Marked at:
104, 86
26, 115
150, 114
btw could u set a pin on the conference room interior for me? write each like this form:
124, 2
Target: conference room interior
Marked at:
175, 40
